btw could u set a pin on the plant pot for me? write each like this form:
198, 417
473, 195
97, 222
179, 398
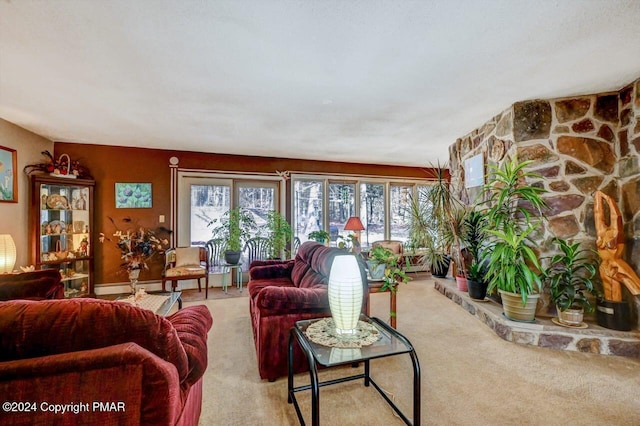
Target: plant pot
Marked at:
461, 282
477, 289
232, 257
571, 317
376, 270
613, 315
513, 308
441, 270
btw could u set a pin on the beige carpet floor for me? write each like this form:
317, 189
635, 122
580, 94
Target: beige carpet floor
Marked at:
469, 375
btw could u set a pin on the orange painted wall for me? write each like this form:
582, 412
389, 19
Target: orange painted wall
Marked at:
111, 164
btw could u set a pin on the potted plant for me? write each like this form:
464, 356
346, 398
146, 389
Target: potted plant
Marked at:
235, 226
476, 281
279, 233
474, 238
393, 272
320, 236
456, 235
379, 256
441, 209
570, 277
514, 212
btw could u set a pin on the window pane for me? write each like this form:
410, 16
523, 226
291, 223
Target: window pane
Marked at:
259, 200
372, 213
307, 207
399, 213
208, 202
341, 207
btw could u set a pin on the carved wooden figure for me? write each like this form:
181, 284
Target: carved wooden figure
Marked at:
610, 243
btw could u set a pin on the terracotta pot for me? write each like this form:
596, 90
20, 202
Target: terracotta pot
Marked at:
461, 282
514, 309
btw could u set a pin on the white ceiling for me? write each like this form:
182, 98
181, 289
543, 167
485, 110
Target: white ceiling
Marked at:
373, 81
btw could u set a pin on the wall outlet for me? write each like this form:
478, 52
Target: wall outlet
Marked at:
161, 220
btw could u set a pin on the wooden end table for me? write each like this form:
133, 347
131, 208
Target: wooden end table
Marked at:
374, 287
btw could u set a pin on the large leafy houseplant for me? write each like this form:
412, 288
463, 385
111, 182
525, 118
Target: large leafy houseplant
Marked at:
570, 276
235, 226
513, 213
279, 233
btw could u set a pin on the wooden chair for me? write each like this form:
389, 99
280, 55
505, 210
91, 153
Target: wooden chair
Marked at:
186, 263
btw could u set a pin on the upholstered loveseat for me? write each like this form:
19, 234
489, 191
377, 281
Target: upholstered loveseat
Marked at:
78, 354
283, 292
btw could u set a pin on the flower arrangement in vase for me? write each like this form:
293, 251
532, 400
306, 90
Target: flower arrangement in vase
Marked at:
137, 247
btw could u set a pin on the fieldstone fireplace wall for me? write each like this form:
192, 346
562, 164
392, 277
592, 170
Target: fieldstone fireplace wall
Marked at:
578, 145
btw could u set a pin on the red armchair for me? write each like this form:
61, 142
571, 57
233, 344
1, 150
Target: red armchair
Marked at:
86, 350
36, 285
283, 292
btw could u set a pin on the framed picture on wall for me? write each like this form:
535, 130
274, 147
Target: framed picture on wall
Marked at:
133, 196
8, 176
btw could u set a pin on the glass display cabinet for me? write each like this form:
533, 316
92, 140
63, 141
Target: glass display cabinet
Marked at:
62, 227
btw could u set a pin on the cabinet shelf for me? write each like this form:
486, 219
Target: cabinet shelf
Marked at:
75, 277
63, 234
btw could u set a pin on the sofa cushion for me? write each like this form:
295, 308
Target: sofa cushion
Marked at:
187, 256
306, 272
189, 270
30, 329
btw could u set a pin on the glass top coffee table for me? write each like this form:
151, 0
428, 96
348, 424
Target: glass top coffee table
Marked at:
156, 304
390, 343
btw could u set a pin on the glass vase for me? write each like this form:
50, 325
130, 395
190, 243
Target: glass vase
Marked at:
134, 274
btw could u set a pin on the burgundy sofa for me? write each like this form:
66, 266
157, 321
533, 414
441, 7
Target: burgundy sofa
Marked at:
283, 292
86, 350
36, 285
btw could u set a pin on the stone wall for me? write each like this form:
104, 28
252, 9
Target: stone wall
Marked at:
578, 145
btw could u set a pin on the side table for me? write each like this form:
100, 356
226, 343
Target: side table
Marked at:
374, 287
228, 269
391, 343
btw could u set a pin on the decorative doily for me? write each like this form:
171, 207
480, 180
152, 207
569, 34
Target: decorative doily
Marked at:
323, 332
151, 302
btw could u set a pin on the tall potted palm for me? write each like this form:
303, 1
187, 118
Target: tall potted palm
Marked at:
439, 209
514, 210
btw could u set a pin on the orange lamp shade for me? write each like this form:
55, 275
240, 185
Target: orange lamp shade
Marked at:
354, 224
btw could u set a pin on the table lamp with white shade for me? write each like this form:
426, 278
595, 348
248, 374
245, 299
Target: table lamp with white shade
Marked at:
7, 254
345, 294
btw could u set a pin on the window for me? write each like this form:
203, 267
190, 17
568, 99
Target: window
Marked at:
383, 205
208, 202
307, 207
372, 213
257, 197
204, 197
341, 207
400, 214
